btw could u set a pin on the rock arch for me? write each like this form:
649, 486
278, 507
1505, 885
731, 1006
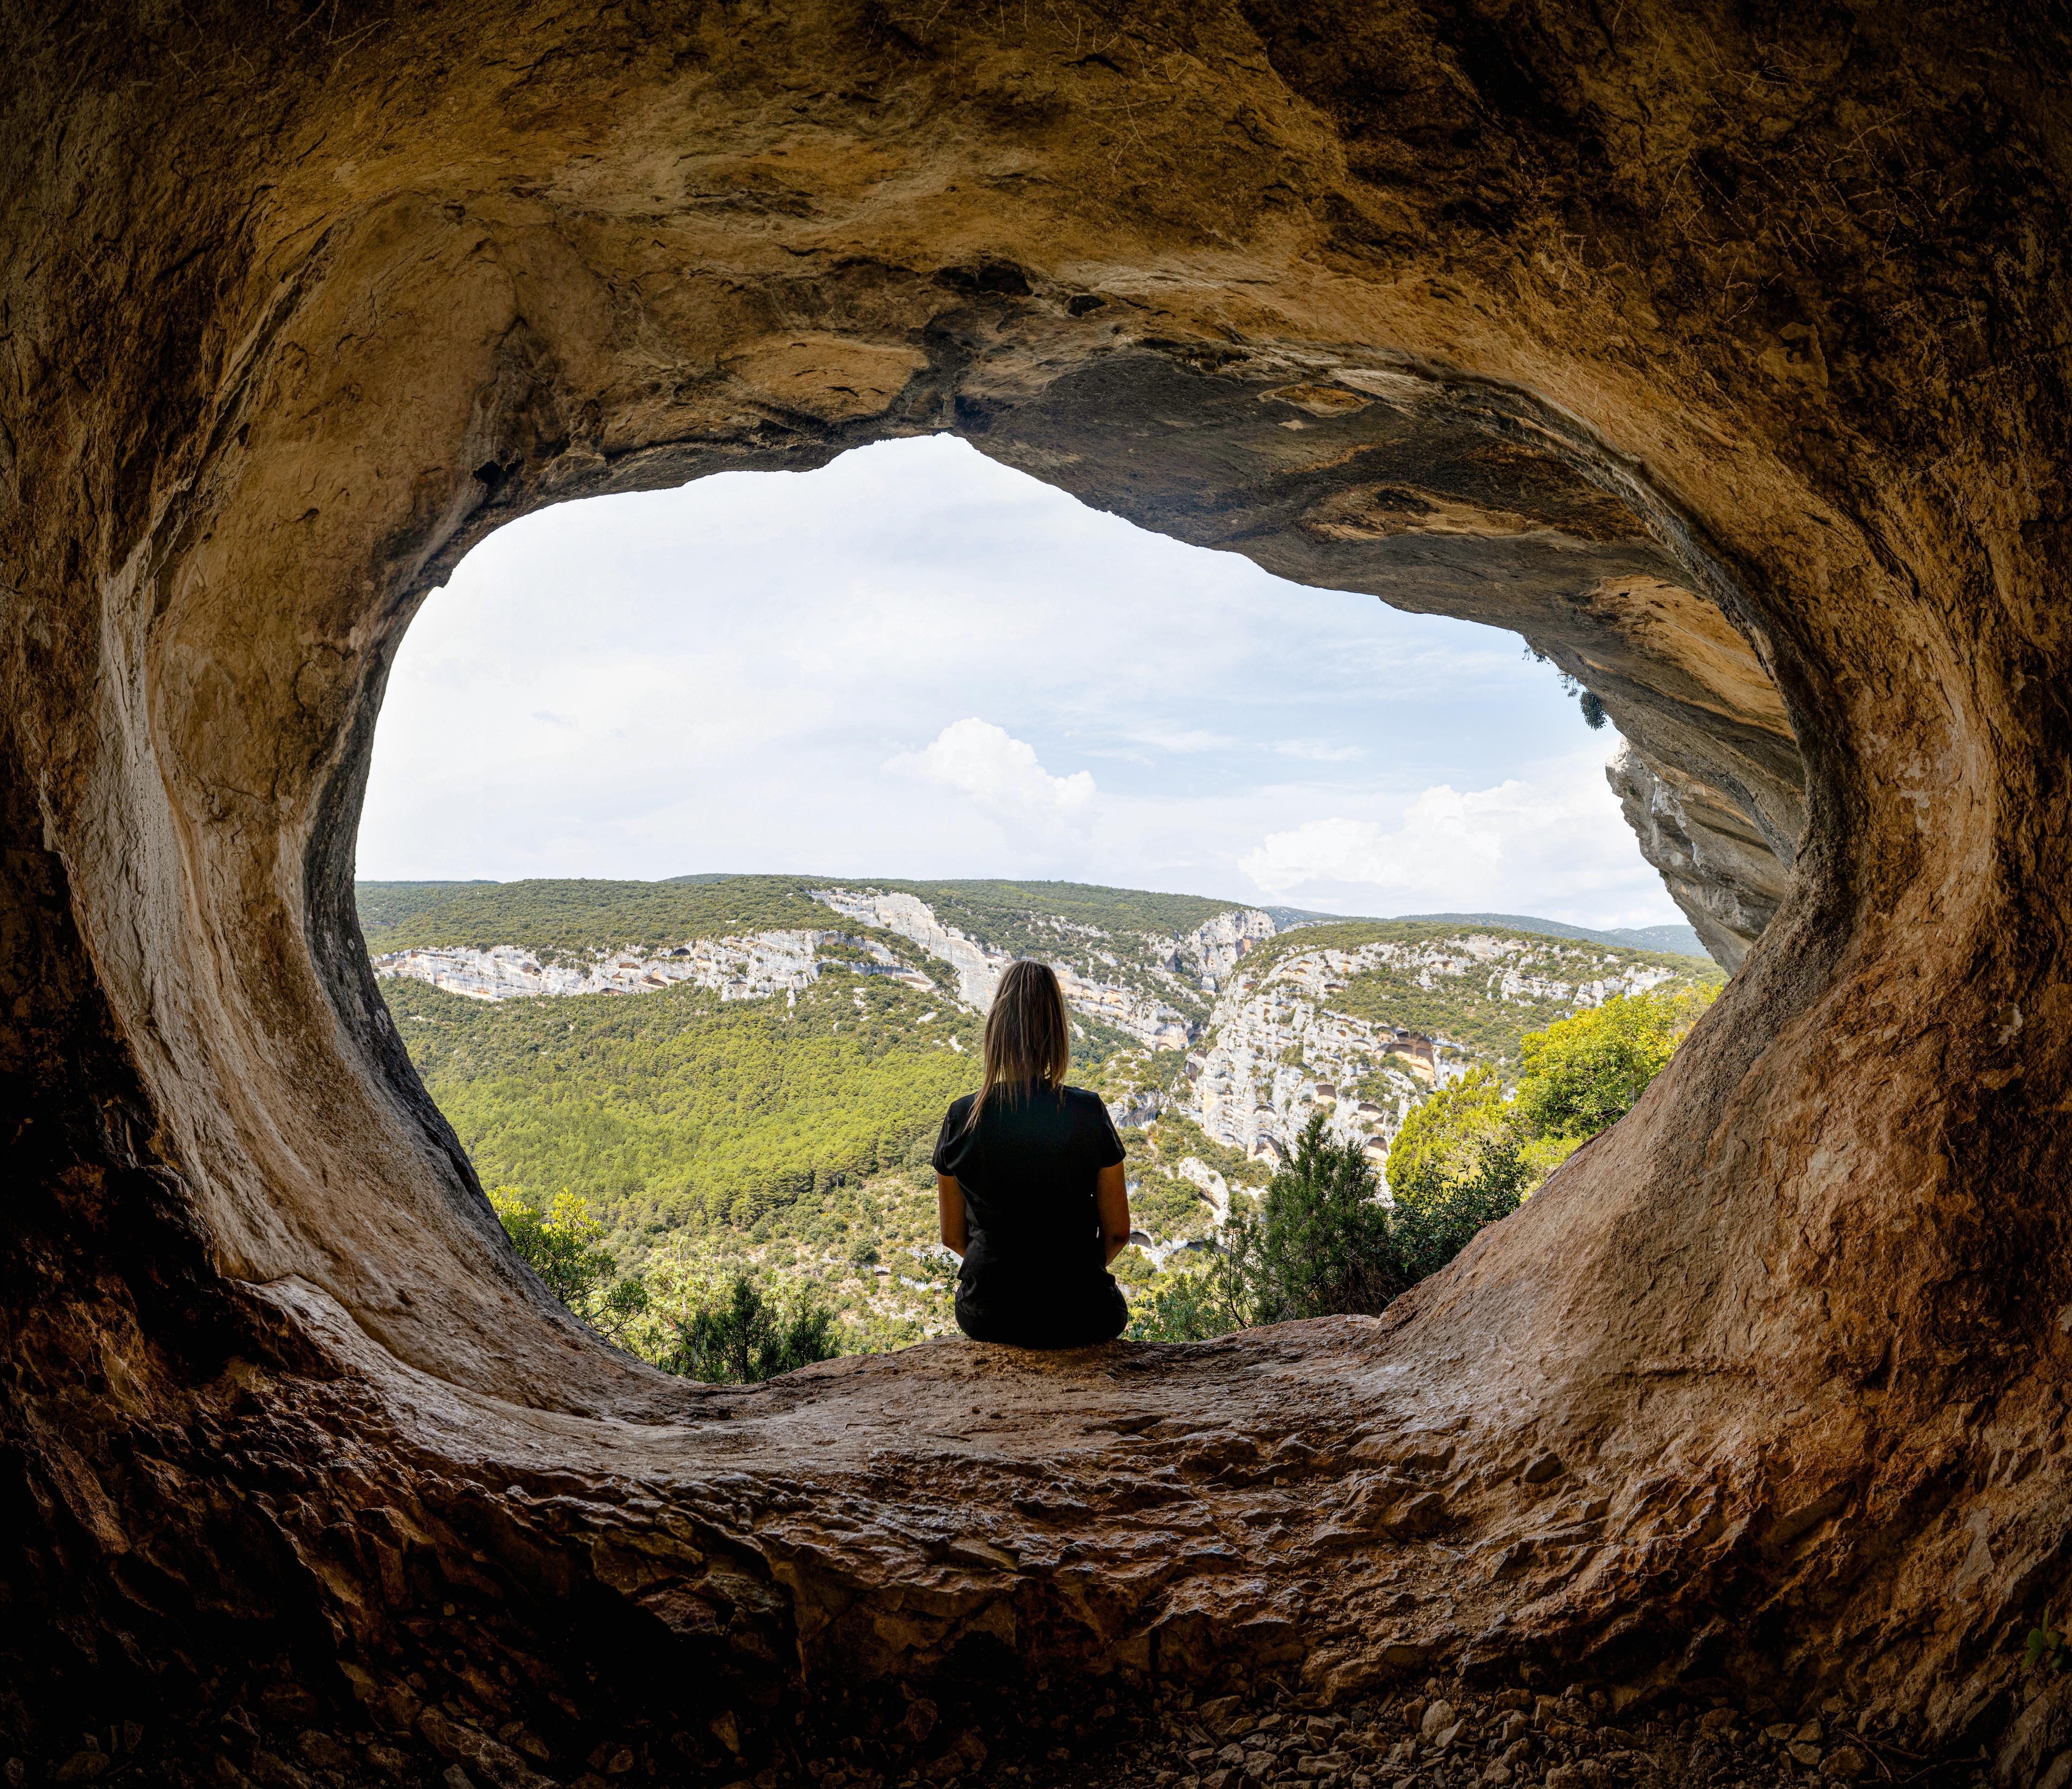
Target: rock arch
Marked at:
1720, 357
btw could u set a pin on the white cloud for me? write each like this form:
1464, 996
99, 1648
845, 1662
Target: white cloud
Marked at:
1541, 845
998, 770
1182, 739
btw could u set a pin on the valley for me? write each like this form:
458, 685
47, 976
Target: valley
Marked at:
753, 1069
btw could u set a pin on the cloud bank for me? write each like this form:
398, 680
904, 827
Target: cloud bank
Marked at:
999, 772
1558, 835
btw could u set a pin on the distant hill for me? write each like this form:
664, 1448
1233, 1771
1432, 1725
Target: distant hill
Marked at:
1680, 940
390, 903
568, 917
1481, 1004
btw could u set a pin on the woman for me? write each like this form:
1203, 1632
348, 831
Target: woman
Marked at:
1029, 1176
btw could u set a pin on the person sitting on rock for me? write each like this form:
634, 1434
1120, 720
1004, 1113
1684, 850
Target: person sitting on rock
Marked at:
1029, 1176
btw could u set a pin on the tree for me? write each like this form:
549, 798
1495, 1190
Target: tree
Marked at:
565, 1246
1437, 1218
743, 1338
1445, 1140
1585, 1072
1320, 1244
1197, 1303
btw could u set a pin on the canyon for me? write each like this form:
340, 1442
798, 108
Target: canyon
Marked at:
1276, 1052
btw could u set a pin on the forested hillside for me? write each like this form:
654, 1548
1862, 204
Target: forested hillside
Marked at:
1020, 917
570, 918
680, 1110
1481, 999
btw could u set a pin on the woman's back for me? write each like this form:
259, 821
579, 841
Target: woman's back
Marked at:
1028, 1170
1030, 1184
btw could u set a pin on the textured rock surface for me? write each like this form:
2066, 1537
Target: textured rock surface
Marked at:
1719, 353
1726, 875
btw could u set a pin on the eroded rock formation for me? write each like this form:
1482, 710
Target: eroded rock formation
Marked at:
1718, 353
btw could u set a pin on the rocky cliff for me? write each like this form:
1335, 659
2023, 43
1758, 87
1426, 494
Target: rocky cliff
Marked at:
1279, 1046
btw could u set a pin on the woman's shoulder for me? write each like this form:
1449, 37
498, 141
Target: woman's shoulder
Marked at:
1086, 1102
961, 1105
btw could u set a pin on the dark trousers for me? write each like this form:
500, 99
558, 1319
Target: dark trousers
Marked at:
1100, 1313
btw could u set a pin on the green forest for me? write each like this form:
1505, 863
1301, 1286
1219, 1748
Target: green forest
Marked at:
567, 920
679, 1110
576, 915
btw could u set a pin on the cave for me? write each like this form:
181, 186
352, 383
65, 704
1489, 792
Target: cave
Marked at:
1717, 351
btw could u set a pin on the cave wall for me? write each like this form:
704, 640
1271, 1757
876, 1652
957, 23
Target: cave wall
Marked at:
1717, 351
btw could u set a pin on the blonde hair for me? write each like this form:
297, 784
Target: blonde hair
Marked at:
1028, 1034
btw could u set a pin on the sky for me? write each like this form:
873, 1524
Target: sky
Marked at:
916, 662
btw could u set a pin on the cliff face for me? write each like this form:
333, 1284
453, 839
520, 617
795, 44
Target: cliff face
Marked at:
1277, 1048
1726, 874
1718, 357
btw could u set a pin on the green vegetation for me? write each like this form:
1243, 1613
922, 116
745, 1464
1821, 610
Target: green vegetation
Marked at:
1177, 1138
743, 1337
387, 904
693, 1319
1321, 1240
1471, 1008
1321, 1244
733, 1188
564, 1245
1581, 1075
1447, 1139
567, 920
2046, 1649
1022, 918
1210, 1295
1585, 1072
679, 1110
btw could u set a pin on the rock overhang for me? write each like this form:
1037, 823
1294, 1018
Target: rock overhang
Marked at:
237, 468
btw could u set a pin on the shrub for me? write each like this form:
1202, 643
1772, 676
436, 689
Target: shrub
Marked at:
1444, 1141
1321, 1242
1437, 1219
565, 1246
743, 1338
1195, 1304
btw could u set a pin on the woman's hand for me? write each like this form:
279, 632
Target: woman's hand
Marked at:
949, 1209
1112, 1200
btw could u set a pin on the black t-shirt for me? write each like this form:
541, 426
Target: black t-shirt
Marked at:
1027, 1170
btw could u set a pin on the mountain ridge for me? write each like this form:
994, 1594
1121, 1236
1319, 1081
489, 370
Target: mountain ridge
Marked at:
385, 906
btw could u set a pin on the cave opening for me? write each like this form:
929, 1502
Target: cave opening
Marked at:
920, 662
1714, 356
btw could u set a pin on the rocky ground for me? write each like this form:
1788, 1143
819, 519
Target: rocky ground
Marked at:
1425, 1736
1442, 1733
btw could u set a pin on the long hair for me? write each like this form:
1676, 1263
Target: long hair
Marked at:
1028, 1036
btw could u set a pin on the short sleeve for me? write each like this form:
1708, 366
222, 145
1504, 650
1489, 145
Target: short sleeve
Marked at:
944, 1160
1103, 1141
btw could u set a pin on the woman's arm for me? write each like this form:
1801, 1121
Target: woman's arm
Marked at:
950, 1208
1112, 1200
